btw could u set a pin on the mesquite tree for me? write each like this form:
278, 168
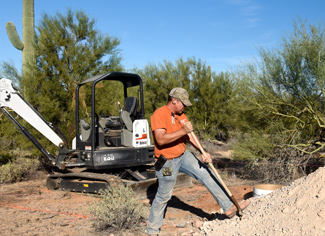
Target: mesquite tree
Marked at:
288, 84
209, 92
69, 50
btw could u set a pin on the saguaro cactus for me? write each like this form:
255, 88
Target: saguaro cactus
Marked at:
27, 46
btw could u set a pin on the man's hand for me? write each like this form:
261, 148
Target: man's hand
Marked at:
206, 158
188, 127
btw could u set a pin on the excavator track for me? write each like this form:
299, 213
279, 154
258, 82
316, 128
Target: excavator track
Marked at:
93, 182
81, 182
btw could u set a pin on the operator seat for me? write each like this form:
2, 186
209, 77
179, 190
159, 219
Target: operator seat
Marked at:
127, 116
85, 130
131, 105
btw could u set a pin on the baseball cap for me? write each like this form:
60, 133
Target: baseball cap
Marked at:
181, 94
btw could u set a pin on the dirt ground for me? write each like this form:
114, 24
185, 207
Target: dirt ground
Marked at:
29, 208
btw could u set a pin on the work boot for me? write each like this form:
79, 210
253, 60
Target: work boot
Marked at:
233, 209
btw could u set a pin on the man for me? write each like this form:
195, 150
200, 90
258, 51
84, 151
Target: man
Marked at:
171, 131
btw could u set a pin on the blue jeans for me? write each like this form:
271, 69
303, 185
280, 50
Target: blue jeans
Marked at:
188, 164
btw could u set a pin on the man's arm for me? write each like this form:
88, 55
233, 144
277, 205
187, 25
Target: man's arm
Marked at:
206, 157
163, 138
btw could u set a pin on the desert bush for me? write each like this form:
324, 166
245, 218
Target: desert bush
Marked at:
253, 147
5, 157
18, 169
118, 210
282, 167
270, 162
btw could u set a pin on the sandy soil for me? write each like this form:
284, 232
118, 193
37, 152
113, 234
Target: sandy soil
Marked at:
29, 208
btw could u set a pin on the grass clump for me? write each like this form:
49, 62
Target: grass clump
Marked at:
119, 210
18, 169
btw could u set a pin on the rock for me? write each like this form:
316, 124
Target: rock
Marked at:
181, 225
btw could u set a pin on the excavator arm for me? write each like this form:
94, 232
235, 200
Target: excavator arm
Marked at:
11, 98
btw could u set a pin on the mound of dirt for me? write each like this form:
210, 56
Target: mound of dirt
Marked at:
296, 209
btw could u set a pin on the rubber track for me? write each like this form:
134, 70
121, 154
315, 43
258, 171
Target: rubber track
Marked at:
90, 176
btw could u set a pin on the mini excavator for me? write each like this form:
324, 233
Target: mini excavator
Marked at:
107, 150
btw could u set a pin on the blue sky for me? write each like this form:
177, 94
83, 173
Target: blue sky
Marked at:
222, 33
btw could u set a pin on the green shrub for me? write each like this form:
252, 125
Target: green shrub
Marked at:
118, 210
18, 169
268, 161
5, 157
253, 147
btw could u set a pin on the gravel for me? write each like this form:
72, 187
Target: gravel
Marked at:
296, 209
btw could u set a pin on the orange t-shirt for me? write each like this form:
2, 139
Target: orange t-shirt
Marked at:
162, 118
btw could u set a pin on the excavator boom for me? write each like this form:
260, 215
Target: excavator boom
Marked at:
11, 98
